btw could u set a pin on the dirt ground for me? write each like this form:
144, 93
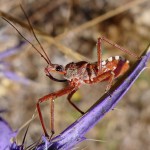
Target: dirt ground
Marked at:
70, 31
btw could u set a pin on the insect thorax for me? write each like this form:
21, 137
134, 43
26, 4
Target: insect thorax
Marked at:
75, 70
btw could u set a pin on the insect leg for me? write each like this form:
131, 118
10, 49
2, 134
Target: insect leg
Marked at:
69, 100
102, 77
52, 117
110, 81
119, 47
51, 97
106, 76
54, 79
99, 55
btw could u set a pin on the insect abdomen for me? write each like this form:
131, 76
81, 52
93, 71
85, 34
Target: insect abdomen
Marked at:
116, 64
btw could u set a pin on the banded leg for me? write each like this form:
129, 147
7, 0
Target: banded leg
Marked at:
69, 99
51, 97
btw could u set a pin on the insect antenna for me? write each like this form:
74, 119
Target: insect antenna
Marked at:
49, 62
46, 58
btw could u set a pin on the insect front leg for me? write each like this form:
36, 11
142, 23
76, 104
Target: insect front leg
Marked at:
51, 97
54, 79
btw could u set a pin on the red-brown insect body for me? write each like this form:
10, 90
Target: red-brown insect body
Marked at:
86, 73
79, 73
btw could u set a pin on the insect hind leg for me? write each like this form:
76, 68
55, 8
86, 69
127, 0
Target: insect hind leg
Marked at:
110, 82
119, 47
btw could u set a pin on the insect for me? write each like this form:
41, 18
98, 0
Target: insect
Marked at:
79, 73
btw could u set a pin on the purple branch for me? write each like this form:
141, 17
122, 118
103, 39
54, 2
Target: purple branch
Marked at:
13, 76
11, 51
75, 133
4, 67
6, 133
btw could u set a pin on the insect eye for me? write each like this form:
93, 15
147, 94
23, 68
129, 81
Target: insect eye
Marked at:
59, 68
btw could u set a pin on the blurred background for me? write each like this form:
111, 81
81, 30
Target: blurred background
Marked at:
70, 31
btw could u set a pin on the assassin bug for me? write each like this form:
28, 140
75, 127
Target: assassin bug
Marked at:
78, 73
